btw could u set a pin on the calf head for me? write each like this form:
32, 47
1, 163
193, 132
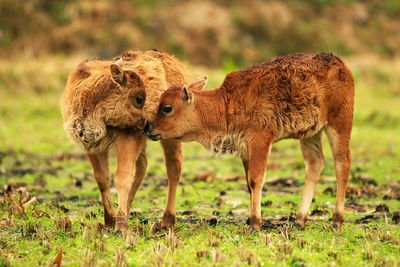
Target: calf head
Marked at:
176, 116
127, 110
115, 102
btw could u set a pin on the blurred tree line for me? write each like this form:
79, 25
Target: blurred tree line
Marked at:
212, 33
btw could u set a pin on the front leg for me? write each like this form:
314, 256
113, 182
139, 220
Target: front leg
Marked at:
173, 161
258, 155
128, 147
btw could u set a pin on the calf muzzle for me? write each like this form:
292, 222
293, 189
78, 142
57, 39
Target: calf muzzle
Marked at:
148, 132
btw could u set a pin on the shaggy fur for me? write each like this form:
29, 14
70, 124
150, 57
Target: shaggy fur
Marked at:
100, 111
295, 96
92, 101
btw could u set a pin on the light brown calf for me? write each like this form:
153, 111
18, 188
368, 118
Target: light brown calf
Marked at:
106, 104
295, 96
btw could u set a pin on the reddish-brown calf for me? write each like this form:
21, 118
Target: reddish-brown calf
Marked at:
295, 96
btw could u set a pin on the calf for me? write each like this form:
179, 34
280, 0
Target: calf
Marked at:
295, 96
105, 105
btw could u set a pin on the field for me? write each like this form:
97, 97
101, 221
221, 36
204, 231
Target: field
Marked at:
59, 217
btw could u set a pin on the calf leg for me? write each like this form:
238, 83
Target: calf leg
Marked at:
246, 170
127, 148
101, 174
141, 166
339, 138
314, 159
258, 155
173, 162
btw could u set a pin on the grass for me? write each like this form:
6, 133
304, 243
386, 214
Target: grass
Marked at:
212, 199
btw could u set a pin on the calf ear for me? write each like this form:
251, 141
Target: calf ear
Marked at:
187, 95
133, 76
199, 83
117, 73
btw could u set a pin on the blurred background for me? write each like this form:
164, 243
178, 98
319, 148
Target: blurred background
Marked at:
215, 34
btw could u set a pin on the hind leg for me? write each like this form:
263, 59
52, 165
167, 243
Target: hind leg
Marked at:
339, 138
246, 170
101, 173
140, 171
314, 161
127, 147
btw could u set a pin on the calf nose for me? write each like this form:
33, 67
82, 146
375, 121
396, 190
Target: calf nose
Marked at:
147, 129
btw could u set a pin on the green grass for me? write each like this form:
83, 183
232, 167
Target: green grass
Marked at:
35, 151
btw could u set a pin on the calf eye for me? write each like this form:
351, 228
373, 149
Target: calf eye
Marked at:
139, 100
167, 109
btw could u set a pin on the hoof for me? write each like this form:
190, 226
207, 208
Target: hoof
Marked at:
108, 227
255, 229
255, 223
335, 227
300, 222
119, 233
168, 220
337, 222
121, 223
109, 221
299, 225
121, 227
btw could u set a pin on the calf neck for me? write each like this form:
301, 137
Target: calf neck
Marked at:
296, 96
